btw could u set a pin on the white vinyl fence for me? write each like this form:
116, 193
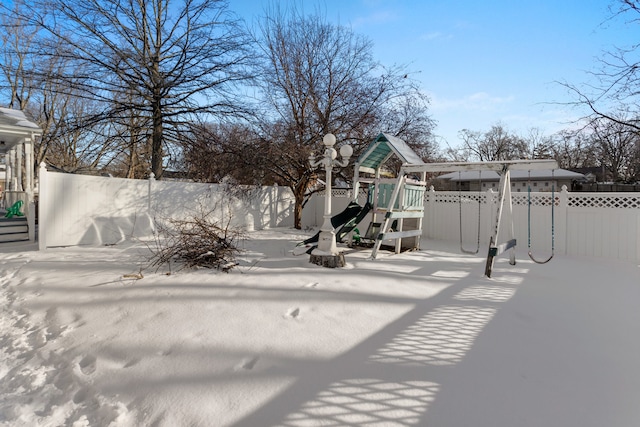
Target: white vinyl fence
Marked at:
589, 224
78, 210
91, 210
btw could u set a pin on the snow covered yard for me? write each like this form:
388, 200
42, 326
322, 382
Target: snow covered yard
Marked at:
416, 339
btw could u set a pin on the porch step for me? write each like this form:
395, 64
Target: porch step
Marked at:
14, 229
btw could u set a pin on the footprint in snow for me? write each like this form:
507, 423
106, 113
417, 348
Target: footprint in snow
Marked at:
55, 326
293, 313
132, 362
38, 338
88, 364
311, 285
81, 396
247, 364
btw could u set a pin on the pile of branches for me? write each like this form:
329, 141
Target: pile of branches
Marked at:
197, 242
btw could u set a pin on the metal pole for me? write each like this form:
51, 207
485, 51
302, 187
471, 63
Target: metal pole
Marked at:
327, 239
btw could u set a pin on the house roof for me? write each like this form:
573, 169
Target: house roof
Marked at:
516, 175
17, 118
14, 127
382, 148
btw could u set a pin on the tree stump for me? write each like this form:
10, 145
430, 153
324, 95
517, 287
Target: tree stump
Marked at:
330, 261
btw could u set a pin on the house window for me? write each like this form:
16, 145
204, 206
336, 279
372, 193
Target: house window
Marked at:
513, 184
546, 184
524, 184
484, 184
535, 184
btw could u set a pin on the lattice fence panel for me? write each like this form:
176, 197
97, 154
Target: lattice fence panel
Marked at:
577, 200
536, 199
471, 197
447, 197
612, 201
519, 199
343, 192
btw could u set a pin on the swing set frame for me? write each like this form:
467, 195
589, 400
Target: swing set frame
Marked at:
503, 168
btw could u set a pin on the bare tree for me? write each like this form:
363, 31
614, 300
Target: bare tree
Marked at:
614, 92
574, 149
495, 144
539, 145
318, 78
74, 148
407, 117
617, 146
16, 42
156, 59
230, 152
58, 110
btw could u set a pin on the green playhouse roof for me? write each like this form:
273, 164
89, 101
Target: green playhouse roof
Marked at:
382, 148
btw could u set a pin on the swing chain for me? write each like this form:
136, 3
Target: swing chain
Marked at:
553, 203
471, 252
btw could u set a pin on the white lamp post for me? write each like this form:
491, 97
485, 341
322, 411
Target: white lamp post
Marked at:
327, 239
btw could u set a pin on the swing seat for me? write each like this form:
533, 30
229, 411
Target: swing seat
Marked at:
538, 261
14, 210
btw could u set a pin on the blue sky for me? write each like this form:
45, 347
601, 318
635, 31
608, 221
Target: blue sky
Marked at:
482, 62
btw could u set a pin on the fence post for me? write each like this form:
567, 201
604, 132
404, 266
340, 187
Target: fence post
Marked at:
429, 212
561, 219
274, 205
43, 206
151, 180
638, 239
31, 219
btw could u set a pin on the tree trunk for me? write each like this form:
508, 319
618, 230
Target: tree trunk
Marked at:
131, 167
157, 112
156, 138
298, 191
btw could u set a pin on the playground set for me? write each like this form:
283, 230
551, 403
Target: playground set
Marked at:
395, 207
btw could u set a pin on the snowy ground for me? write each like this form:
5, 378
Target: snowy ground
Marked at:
417, 339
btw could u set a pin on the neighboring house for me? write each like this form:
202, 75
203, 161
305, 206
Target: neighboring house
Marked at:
540, 180
17, 136
592, 174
